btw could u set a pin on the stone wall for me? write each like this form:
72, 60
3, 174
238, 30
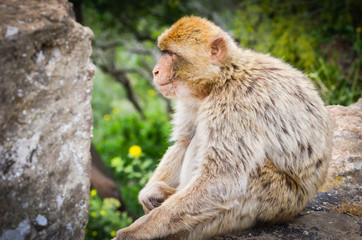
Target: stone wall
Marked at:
45, 120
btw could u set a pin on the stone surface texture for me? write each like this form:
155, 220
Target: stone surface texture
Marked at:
309, 226
323, 217
346, 161
45, 120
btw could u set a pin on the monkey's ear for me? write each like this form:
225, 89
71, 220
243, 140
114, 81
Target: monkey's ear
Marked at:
218, 49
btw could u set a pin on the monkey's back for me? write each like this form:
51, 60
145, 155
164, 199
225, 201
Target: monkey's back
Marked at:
284, 109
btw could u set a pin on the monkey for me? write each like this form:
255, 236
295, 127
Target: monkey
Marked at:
251, 138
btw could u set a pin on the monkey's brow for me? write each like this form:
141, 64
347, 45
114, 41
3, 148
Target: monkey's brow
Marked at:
166, 51
161, 50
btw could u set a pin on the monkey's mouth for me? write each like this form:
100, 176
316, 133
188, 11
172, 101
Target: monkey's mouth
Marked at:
165, 87
164, 84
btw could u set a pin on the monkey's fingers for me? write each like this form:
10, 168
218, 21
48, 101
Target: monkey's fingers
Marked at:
151, 203
156, 202
147, 205
122, 235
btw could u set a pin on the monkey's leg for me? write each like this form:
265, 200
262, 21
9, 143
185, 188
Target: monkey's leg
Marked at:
197, 203
280, 196
271, 197
195, 212
233, 220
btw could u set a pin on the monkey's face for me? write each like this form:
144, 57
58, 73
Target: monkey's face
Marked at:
173, 76
163, 74
192, 54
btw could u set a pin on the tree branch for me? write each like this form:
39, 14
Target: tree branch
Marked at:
138, 48
121, 77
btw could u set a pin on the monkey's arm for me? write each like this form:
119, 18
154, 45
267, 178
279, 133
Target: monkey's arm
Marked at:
164, 180
168, 170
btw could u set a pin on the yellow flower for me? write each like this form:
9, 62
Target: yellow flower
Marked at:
94, 233
115, 110
93, 214
113, 233
93, 193
135, 151
359, 29
102, 212
151, 92
106, 117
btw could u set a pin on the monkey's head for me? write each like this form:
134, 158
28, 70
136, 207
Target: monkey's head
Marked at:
193, 49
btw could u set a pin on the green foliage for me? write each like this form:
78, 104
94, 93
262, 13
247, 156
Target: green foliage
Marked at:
279, 35
104, 218
321, 38
337, 88
119, 131
139, 18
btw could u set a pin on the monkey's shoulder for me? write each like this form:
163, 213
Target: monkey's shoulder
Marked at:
264, 77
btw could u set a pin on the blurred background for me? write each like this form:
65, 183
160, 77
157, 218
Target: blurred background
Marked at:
131, 120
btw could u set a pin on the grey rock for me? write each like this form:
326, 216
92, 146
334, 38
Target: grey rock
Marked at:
345, 168
45, 120
311, 226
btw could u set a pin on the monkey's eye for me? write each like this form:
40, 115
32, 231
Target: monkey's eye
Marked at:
168, 52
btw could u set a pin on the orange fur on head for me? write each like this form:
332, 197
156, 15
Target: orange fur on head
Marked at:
196, 73
191, 31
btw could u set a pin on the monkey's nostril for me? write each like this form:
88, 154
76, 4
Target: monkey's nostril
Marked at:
155, 73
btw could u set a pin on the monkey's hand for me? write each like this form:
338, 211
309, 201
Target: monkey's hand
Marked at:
139, 230
154, 195
121, 235
133, 232
124, 235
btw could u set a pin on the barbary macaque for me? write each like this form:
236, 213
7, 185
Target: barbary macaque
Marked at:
251, 138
